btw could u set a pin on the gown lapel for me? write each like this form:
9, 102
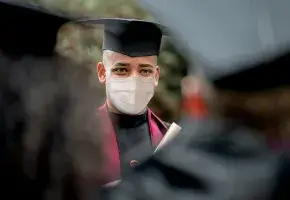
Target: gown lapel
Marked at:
111, 166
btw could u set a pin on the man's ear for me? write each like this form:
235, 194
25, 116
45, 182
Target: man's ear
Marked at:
101, 72
157, 74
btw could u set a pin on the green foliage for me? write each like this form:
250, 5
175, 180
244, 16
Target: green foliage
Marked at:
84, 45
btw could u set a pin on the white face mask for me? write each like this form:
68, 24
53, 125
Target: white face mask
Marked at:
130, 95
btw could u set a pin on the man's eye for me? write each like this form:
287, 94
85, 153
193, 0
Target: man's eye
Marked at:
120, 70
146, 71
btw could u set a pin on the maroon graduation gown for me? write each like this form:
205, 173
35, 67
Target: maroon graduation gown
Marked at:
111, 167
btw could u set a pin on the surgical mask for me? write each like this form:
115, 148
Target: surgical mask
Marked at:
130, 95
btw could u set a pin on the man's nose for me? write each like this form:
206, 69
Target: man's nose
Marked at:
134, 73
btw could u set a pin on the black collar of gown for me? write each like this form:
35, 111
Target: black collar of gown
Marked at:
128, 121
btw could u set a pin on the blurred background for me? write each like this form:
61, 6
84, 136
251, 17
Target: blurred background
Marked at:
84, 46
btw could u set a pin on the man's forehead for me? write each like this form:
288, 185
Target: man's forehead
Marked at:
115, 57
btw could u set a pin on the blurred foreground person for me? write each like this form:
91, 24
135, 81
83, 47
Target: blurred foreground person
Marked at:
130, 73
48, 132
243, 47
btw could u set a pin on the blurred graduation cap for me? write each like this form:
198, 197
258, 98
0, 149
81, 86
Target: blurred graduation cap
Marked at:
131, 37
240, 45
27, 30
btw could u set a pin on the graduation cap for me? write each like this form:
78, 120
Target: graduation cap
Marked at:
26, 30
239, 45
131, 37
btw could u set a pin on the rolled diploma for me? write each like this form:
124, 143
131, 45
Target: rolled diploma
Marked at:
112, 184
172, 132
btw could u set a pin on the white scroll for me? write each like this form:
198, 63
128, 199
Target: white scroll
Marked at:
172, 132
112, 184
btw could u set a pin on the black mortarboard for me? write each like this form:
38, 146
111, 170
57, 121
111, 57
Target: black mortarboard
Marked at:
130, 37
25, 30
240, 45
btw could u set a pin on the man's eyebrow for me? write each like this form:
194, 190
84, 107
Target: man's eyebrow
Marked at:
121, 64
145, 65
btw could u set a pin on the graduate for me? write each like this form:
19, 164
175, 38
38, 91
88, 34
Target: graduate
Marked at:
130, 74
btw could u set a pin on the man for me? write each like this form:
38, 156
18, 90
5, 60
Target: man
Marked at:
48, 127
130, 73
244, 49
